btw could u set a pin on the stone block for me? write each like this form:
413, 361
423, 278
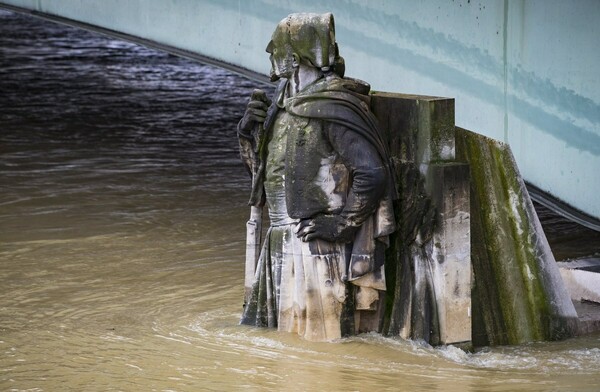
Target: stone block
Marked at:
582, 278
426, 124
432, 281
448, 186
518, 294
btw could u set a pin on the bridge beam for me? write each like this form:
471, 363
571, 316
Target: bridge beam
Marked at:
524, 73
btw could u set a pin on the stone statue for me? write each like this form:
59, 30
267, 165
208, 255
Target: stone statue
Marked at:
321, 165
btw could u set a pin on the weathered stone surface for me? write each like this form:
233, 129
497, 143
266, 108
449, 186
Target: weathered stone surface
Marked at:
411, 306
589, 317
420, 128
518, 294
436, 130
428, 265
582, 278
253, 235
448, 185
317, 155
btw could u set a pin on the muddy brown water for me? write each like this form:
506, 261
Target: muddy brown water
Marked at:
122, 213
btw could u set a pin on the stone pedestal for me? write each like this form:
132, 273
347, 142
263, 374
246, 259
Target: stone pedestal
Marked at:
485, 228
431, 285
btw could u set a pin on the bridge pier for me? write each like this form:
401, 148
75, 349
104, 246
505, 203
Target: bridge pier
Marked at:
470, 261
432, 279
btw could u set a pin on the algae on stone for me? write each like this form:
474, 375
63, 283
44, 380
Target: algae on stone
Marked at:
518, 294
428, 264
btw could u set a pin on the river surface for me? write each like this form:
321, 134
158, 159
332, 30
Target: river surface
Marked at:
122, 229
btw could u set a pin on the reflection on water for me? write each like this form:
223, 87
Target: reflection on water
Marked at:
122, 217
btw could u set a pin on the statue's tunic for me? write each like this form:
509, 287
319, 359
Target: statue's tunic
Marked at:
308, 283
317, 164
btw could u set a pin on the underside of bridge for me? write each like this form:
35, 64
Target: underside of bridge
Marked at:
524, 73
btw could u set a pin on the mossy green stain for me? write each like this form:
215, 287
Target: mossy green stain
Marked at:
527, 256
518, 310
522, 300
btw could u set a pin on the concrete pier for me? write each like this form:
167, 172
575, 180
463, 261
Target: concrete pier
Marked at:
513, 291
518, 293
431, 289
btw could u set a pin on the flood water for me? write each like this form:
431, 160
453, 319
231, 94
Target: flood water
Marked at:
122, 229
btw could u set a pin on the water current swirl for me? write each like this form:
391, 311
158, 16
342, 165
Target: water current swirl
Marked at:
122, 217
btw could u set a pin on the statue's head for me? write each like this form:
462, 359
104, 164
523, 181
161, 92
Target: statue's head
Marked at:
304, 39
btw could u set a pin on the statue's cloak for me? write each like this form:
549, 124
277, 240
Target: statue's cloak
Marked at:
344, 102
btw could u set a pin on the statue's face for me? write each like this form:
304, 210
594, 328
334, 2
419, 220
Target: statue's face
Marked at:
281, 56
307, 38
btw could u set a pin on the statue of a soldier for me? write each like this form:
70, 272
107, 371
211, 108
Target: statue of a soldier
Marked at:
321, 165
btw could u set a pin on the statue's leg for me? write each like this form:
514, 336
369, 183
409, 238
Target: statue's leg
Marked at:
260, 310
312, 290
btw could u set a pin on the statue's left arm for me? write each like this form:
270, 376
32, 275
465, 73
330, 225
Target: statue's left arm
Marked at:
368, 184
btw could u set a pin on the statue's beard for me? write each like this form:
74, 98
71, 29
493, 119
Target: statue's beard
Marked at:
281, 69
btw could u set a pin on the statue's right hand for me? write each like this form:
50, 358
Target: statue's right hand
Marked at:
256, 111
